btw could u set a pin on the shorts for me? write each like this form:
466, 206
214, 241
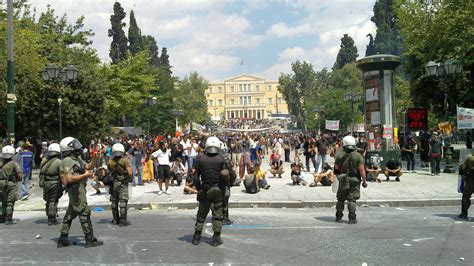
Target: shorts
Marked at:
392, 174
163, 172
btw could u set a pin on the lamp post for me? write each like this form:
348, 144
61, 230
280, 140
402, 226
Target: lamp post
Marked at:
446, 68
54, 74
177, 113
352, 98
319, 111
150, 102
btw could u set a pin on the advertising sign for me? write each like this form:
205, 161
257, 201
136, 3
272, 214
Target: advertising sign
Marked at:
332, 125
387, 132
417, 119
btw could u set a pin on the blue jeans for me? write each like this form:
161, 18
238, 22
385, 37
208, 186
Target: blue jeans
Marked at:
320, 161
190, 163
25, 187
138, 173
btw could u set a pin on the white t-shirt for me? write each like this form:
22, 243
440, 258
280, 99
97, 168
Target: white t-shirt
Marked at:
162, 156
193, 151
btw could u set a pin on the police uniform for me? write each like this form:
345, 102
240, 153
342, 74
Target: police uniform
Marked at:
349, 182
468, 172
50, 170
8, 189
225, 203
211, 192
119, 189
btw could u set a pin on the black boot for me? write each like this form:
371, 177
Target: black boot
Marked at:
352, 221
216, 239
463, 215
91, 242
2, 219
227, 221
8, 220
123, 219
115, 215
62, 241
196, 238
352, 218
52, 221
339, 215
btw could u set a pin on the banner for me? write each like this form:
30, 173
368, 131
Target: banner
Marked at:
387, 132
332, 125
417, 118
465, 117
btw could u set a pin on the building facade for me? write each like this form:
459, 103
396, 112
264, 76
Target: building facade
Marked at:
245, 96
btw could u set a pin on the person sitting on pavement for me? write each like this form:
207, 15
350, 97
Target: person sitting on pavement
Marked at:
96, 179
177, 172
260, 177
393, 168
326, 177
373, 172
296, 174
276, 165
189, 187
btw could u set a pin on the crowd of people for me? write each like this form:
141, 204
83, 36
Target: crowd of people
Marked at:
247, 123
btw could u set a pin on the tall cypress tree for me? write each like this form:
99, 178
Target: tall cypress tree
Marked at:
165, 61
388, 39
347, 53
118, 47
135, 37
149, 43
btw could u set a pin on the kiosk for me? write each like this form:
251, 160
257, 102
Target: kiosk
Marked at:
380, 112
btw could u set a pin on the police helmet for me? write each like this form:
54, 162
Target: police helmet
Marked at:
118, 150
349, 142
70, 144
8, 152
213, 145
53, 149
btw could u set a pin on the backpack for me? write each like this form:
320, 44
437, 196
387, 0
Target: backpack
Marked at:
250, 183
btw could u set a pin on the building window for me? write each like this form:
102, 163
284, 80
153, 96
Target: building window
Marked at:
219, 89
249, 87
257, 88
240, 87
244, 100
270, 100
232, 88
269, 87
209, 103
232, 102
279, 100
257, 100
220, 102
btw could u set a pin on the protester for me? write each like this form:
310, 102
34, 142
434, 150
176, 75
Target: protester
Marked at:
162, 155
325, 177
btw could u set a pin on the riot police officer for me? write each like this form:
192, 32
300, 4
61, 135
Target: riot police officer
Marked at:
50, 181
225, 203
350, 170
74, 174
10, 174
121, 170
211, 177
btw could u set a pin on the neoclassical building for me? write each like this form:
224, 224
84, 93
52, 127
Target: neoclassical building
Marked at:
245, 96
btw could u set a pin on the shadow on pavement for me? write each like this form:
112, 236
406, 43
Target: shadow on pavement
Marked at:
41, 221
105, 221
453, 217
73, 240
188, 238
328, 219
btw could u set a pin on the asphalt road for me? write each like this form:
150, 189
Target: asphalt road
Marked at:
383, 236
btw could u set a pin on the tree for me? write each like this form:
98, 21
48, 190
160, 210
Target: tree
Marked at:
150, 44
165, 61
191, 98
135, 37
371, 50
347, 53
298, 90
437, 31
118, 47
387, 39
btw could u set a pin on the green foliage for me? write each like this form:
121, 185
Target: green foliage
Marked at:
43, 40
347, 53
129, 82
298, 90
118, 47
190, 97
135, 37
388, 39
150, 44
436, 31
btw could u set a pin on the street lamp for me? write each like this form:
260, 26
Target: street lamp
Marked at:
54, 74
150, 102
352, 98
446, 68
177, 113
319, 111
